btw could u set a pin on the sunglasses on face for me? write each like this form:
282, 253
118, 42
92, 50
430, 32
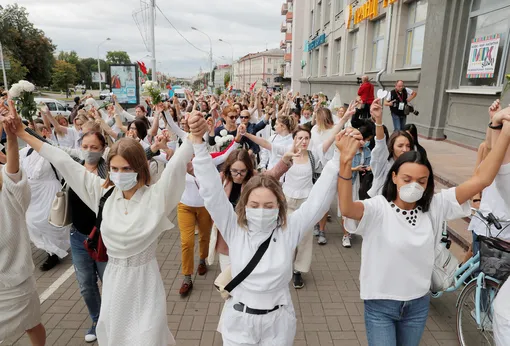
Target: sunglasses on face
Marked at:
236, 172
244, 117
233, 117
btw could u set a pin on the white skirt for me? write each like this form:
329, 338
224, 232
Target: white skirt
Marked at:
20, 309
133, 309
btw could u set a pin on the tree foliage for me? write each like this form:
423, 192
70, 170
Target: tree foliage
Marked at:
27, 44
226, 79
64, 75
118, 57
17, 71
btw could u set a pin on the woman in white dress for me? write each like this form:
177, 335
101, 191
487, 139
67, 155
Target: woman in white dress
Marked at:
19, 301
133, 311
44, 182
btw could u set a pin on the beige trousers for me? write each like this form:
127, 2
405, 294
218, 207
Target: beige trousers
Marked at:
303, 258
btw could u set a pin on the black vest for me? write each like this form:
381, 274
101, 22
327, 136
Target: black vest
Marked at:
398, 98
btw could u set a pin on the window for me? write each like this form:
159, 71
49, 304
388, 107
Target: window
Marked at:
312, 27
269, 81
336, 66
325, 52
51, 106
378, 44
315, 63
353, 51
415, 34
275, 71
487, 18
318, 13
339, 6
268, 60
269, 70
327, 12
60, 107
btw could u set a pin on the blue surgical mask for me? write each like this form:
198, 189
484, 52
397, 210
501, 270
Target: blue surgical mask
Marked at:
366, 145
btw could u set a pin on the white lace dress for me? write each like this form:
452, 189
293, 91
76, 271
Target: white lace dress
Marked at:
134, 302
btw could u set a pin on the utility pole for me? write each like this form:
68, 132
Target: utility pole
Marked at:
152, 37
6, 86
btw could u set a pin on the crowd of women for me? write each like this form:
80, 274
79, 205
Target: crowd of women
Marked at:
254, 176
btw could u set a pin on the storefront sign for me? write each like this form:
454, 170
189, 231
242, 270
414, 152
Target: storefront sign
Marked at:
368, 10
482, 56
315, 42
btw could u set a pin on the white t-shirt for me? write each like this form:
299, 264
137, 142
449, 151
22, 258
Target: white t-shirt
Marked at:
70, 140
397, 257
502, 315
493, 201
409, 92
191, 197
316, 141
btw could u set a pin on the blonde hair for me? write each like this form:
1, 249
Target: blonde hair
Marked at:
324, 119
60, 133
289, 122
131, 151
266, 181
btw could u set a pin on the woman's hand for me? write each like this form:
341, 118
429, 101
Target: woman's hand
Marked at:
295, 151
494, 108
348, 143
241, 131
351, 110
376, 111
501, 116
198, 127
160, 142
12, 122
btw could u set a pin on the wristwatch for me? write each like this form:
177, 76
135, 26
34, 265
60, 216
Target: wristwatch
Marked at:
497, 127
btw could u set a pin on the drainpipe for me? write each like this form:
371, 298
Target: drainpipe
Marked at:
388, 32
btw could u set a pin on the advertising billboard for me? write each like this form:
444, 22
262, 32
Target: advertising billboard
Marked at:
124, 84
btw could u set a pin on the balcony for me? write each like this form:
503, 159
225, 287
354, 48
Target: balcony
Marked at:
289, 17
287, 57
283, 45
283, 28
288, 37
285, 8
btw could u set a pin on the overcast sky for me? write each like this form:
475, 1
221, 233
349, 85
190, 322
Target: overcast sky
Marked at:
249, 25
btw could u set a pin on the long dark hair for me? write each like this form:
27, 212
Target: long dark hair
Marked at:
411, 128
390, 189
238, 155
393, 139
141, 127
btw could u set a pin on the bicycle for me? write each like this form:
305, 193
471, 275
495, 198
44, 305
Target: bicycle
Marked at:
474, 304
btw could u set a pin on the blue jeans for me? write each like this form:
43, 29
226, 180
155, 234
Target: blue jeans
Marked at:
399, 122
396, 323
87, 270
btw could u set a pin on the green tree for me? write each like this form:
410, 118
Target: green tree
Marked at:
70, 57
118, 57
27, 44
64, 74
17, 71
226, 79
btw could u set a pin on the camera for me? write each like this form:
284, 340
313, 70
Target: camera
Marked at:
412, 110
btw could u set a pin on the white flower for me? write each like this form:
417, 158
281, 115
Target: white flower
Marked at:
27, 86
230, 137
16, 90
223, 133
217, 140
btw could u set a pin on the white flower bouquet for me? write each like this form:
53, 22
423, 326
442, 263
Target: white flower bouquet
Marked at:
23, 93
154, 91
224, 141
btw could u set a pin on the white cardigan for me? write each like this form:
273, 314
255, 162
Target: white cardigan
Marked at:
16, 263
148, 209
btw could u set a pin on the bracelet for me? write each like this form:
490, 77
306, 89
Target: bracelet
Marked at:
380, 125
347, 179
497, 127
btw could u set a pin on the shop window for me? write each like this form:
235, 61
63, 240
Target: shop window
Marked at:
415, 34
378, 44
336, 64
325, 52
353, 51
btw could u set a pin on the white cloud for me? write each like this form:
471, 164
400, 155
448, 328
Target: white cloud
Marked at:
249, 25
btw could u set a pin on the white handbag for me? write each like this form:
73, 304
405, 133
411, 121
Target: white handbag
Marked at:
223, 280
60, 215
445, 266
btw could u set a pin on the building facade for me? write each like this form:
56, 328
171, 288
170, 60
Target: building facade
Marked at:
219, 76
259, 68
293, 38
454, 53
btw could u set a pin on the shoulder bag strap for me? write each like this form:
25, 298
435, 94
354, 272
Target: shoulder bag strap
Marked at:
102, 201
251, 265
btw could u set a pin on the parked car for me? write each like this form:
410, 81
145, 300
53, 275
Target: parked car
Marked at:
80, 87
105, 95
164, 97
180, 94
56, 107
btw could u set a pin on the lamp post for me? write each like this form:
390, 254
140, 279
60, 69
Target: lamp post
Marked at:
210, 55
99, 63
6, 85
232, 65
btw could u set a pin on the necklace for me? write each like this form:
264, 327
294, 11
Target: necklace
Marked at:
126, 205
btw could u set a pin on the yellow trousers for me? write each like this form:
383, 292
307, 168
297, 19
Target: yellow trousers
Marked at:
188, 217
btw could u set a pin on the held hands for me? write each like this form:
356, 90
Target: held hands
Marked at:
241, 131
501, 116
160, 141
198, 127
376, 111
494, 108
11, 121
348, 142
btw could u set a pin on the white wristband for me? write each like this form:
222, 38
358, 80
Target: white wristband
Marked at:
380, 125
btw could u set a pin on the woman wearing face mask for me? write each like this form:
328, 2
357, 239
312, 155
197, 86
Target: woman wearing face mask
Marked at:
260, 311
385, 153
400, 230
133, 310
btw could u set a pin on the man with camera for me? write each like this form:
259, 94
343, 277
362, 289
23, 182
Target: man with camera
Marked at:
398, 101
365, 97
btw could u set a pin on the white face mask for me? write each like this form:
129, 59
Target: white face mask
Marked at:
411, 193
124, 181
261, 219
92, 157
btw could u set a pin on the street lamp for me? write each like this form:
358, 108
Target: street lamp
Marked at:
99, 63
6, 86
232, 65
210, 55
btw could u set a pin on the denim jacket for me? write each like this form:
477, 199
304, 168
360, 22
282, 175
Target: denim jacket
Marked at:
356, 161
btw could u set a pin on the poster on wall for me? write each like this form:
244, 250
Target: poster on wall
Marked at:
124, 84
482, 56
95, 77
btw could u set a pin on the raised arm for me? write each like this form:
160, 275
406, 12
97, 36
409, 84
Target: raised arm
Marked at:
263, 143
119, 124
376, 111
338, 127
58, 128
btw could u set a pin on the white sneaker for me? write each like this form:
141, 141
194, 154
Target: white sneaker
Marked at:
484, 319
91, 334
322, 238
346, 241
316, 230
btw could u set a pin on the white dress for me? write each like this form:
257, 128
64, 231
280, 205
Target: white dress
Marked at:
44, 185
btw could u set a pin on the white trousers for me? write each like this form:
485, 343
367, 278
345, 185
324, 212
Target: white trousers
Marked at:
304, 250
277, 328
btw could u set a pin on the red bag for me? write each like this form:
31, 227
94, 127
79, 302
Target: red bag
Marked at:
94, 242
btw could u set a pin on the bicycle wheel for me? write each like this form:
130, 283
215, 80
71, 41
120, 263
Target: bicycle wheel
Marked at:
468, 332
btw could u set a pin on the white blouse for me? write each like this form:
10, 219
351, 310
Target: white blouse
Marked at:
126, 235
380, 166
268, 284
